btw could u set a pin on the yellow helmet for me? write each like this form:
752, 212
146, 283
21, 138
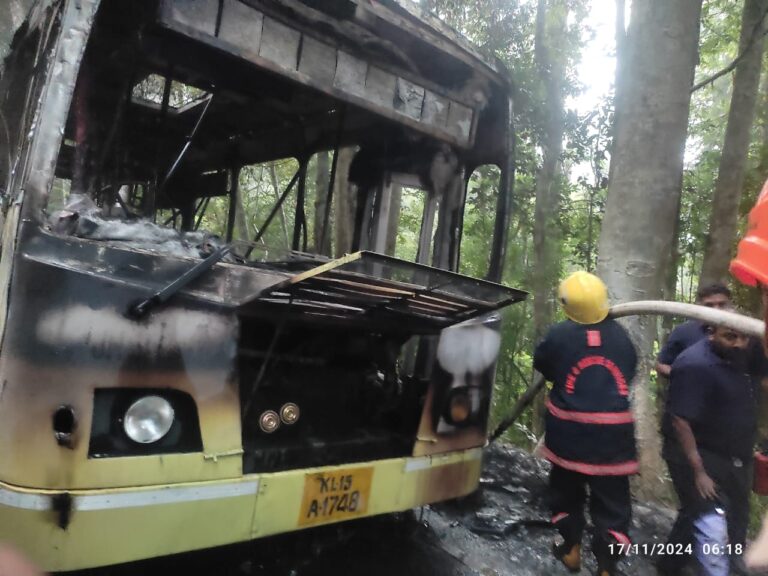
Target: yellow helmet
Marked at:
584, 298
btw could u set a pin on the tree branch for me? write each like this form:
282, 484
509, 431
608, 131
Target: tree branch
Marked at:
756, 33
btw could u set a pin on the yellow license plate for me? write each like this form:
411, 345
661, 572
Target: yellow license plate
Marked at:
333, 496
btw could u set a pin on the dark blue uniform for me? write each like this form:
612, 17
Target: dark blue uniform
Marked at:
689, 333
682, 337
589, 429
719, 401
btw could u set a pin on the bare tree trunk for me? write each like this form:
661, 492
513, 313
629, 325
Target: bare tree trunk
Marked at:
730, 177
620, 35
667, 322
647, 166
241, 223
694, 256
321, 197
345, 203
551, 19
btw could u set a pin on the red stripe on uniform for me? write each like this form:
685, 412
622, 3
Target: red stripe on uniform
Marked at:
557, 517
590, 417
621, 538
594, 340
584, 363
620, 469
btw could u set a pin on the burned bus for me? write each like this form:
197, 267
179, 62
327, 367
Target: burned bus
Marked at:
165, 389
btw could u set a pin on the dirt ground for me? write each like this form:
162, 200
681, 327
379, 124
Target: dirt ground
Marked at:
450, 539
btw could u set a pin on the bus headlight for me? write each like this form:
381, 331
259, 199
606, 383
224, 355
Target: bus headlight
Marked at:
458, 407
148, 419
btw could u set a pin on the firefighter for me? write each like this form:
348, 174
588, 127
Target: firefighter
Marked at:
589, 437
750, 267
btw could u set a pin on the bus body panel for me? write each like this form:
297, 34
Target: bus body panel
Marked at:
120, 525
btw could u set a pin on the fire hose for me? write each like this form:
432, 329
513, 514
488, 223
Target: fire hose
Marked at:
739, 322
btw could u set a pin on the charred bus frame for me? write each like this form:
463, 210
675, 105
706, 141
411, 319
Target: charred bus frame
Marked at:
218, 387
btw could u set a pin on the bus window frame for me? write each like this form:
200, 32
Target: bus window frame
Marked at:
58, 86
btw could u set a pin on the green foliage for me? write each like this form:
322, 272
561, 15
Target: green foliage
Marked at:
411, 212
260, 186
584, 202
720, 27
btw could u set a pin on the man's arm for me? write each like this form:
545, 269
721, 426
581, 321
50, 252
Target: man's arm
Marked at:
669, 352
542, 358
704, 484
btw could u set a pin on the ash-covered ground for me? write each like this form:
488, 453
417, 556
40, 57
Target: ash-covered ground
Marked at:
512, 499
450, 539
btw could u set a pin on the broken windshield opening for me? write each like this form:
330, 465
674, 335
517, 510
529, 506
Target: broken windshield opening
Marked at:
175, 147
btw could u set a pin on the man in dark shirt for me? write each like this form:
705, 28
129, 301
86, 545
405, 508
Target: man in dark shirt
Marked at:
713, 296
589, 436
708, 448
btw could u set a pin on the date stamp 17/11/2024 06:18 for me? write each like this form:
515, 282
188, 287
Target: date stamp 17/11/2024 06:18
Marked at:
667, 549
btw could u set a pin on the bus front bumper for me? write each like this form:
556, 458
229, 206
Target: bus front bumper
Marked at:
87, 528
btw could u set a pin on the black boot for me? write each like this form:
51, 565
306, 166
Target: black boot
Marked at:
568, 553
